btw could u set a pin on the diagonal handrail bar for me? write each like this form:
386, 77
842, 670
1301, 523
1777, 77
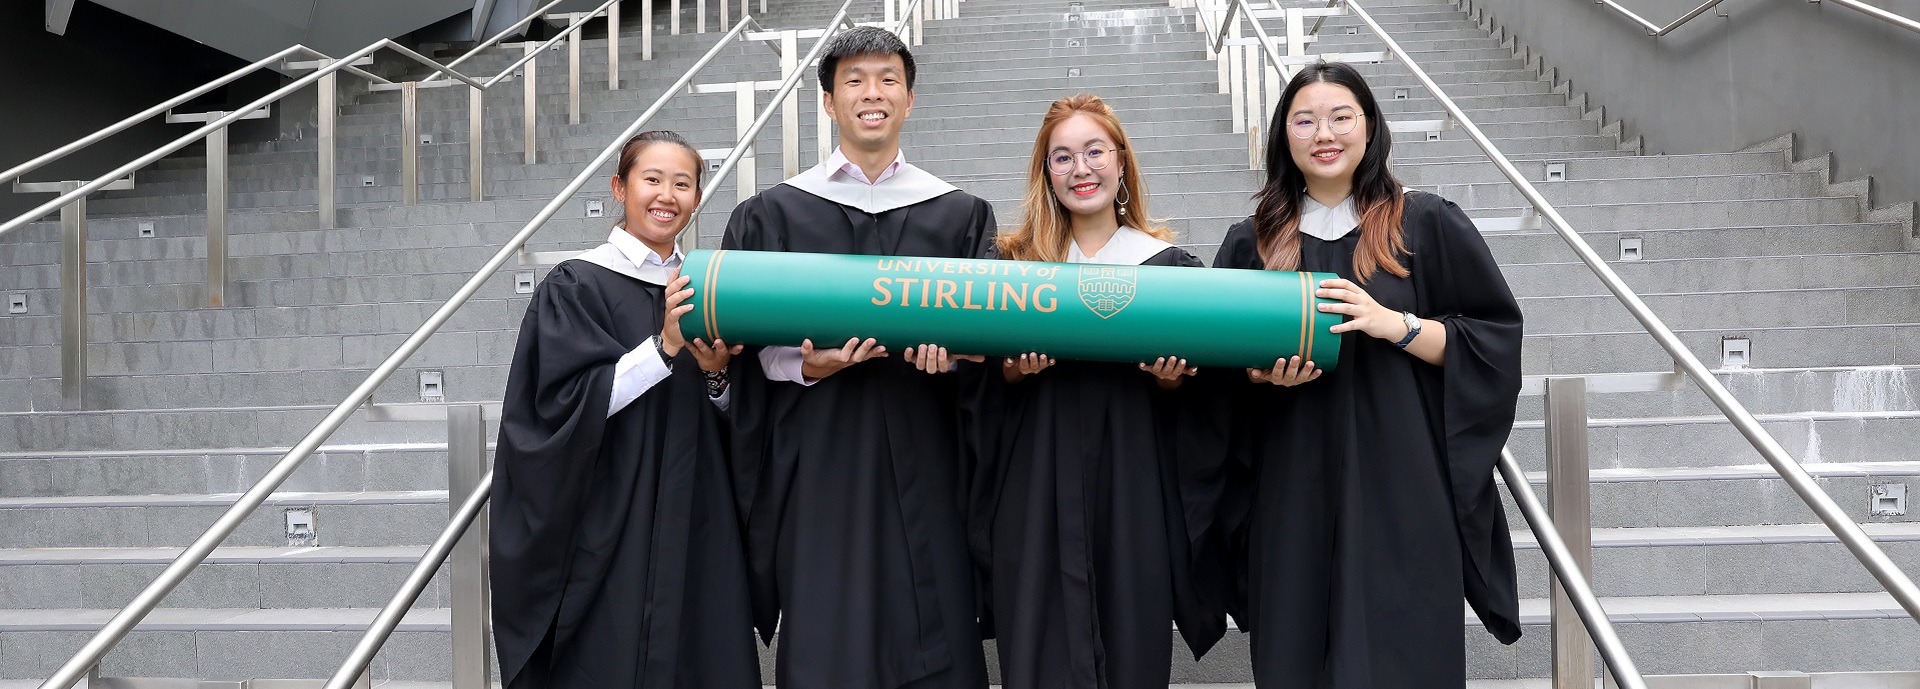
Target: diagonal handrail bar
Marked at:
263, 63
496, 38
786, 86
1864, 549
423, 571
144, 602
1657, 30
575, 26
341, 64
1571, 577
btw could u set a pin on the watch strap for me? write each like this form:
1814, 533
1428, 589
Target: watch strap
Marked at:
1413, 330
661, 347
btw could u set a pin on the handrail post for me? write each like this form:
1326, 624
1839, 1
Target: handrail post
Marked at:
1571, 505
613, 47
673, 18
646, 30
573, 78
410, 142
467, 567
329, 120
532, 89
476, 144
73, 301
744, 184
216, 215
790, 110
1236, 81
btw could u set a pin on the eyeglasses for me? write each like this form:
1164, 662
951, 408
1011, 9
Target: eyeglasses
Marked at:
1341, 122
1096, 157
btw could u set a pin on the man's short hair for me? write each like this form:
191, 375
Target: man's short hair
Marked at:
865, 40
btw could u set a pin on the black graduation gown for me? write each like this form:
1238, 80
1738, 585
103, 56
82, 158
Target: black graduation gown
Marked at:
1372, 508
853, 488
1077, 519
616, 550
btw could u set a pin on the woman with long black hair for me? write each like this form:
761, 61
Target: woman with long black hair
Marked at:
1359, 501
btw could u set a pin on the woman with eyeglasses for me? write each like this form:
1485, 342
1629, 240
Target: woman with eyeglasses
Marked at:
1076, 514
1360, 501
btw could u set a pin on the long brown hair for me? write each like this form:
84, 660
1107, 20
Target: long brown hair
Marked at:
1045, 229
1376, 194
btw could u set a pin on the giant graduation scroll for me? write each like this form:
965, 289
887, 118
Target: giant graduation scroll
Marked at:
1210, 317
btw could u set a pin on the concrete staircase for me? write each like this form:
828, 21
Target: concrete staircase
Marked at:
1708, 562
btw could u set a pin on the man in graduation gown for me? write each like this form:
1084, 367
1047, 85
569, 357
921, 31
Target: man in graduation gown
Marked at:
847, 467
616, 550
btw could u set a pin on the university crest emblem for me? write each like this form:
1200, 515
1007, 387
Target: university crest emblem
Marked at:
1106, 290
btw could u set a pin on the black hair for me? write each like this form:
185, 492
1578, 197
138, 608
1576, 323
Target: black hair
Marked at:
1376, 194
865, 40
630, 153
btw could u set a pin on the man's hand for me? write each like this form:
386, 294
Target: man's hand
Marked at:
935, 359
820, 363
713, 357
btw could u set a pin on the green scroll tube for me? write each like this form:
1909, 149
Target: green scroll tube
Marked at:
1210, 317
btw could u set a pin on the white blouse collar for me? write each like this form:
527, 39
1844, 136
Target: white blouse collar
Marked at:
1324, 223
1127, 247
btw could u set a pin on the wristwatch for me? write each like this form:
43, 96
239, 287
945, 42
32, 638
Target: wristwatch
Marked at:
1413, 330
661, 347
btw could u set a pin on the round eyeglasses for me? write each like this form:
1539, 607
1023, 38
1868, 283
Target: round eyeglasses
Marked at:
1341, 122
1096, 157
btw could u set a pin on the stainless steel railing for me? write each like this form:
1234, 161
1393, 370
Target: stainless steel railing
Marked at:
148, 598
470, 510
1657, 30
71, 201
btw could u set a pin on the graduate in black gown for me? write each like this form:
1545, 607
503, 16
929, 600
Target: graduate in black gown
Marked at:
849, 469
1371, 510
617, 556
1077, 515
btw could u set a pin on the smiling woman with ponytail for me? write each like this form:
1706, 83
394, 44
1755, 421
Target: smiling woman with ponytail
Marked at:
1359, 506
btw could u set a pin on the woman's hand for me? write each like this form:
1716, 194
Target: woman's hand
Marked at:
820, 363
1363, 313
713, 357
1285, 373
1017, 368
1167, 371
670, 338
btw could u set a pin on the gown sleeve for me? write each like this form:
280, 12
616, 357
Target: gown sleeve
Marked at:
553, 418
753, 411
1214, 477
1459, 284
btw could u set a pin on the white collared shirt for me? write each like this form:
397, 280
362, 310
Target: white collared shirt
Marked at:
641, 369
1324, 223
839, 163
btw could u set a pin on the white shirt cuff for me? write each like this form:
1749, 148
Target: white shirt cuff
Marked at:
724, 401
636, 373
784, 363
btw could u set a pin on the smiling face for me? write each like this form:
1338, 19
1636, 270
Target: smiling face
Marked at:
870, 101
659, 192
1084, 191
1327, 157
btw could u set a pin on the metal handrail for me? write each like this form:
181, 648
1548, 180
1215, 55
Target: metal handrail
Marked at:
208, 87
416, 583
196, 553
344, 63
786, 86
1572, 579
496, 38
1864, 549
1656, 30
